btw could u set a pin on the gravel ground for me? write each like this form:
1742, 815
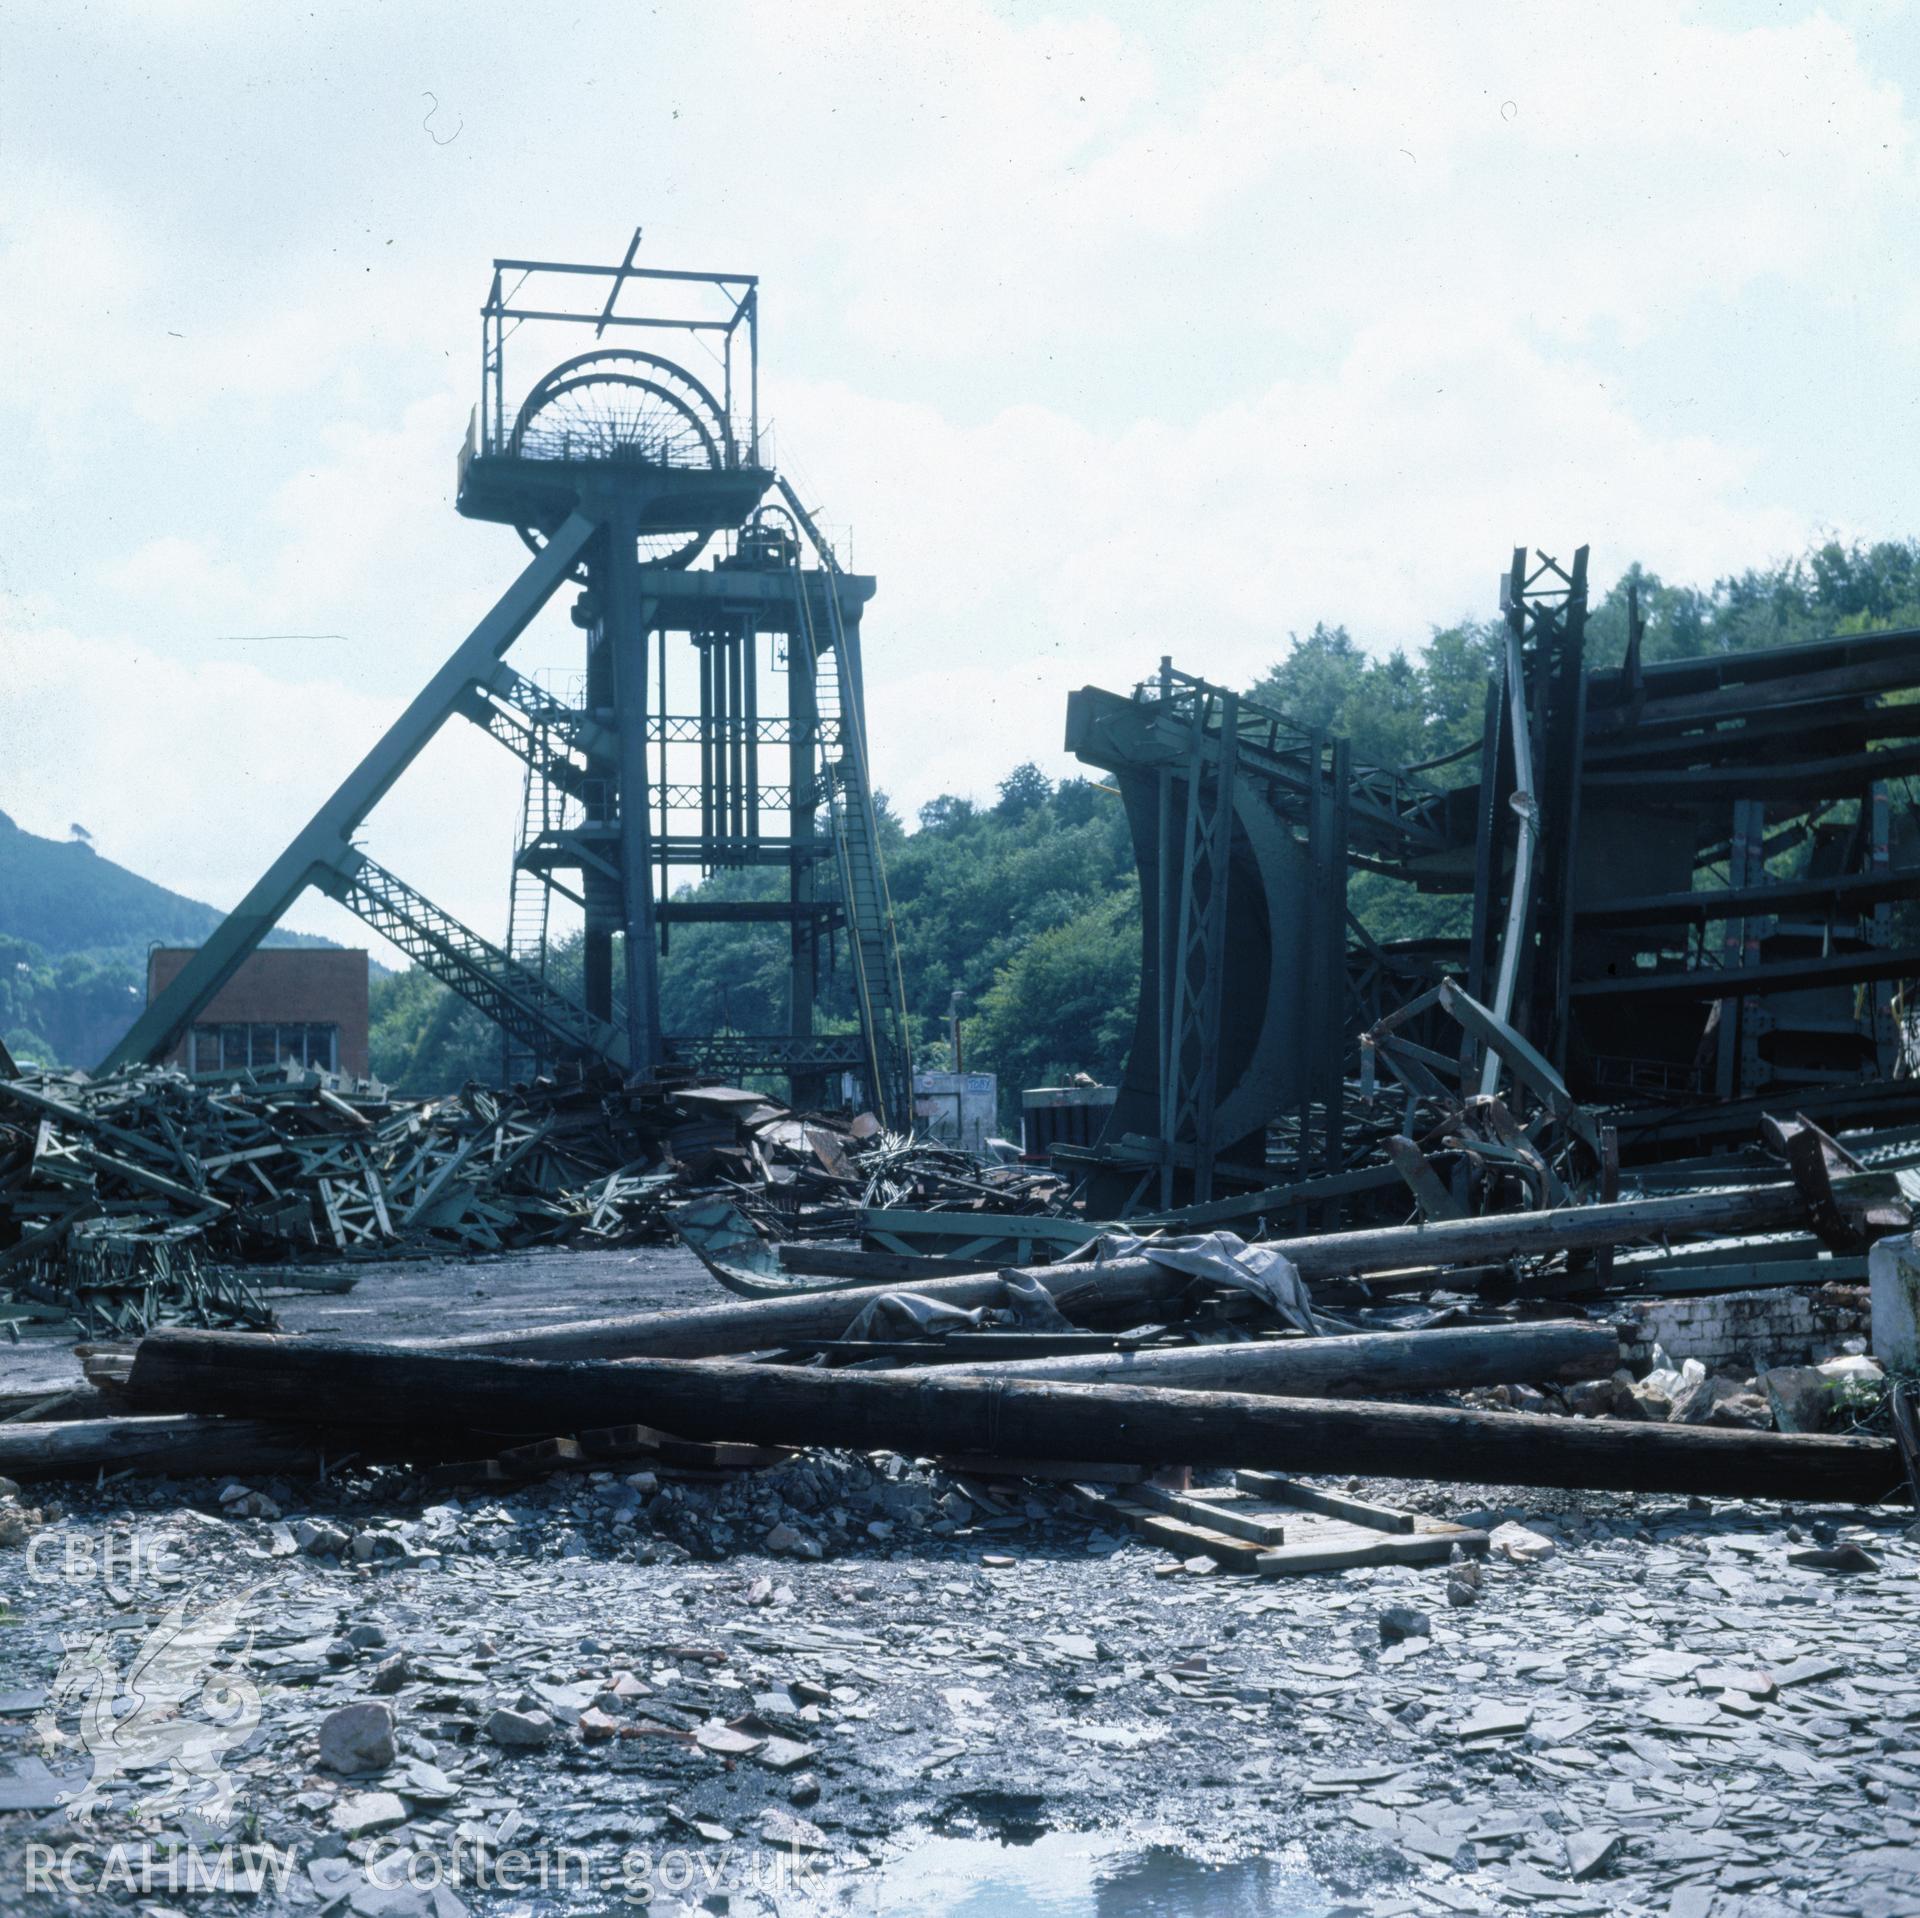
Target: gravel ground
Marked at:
611, 1678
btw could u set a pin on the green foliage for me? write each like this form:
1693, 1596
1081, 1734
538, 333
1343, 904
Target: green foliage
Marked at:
1023, 790
65, 1010
972, 891
1397, 711
60, 895
425, 1040
1834, 588
1064, 1003
75, 930
732, 978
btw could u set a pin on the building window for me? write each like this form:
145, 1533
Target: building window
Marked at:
235, 1048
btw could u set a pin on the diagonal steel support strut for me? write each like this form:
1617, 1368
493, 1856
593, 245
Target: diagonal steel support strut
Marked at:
324, 842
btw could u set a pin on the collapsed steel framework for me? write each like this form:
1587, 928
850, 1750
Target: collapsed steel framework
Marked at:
618, 468
1678, 882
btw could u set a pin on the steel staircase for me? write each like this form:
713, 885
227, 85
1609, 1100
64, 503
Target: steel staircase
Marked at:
529, 906
534, 1014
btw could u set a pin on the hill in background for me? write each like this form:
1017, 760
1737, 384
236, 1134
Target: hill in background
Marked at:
74, 933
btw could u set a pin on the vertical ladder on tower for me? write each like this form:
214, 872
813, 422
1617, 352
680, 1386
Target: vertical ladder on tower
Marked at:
529, 902
879, 988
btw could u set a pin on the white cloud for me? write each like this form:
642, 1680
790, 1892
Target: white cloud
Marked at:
1568, 165
1212, 327
1386, 494
180, 573
197, 775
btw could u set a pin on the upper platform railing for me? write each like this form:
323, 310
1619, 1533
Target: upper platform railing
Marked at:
705, 326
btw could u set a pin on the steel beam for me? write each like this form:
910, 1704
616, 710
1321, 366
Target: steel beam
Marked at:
324, 840
627, 619
1779, 975
1807, 780
1837, 894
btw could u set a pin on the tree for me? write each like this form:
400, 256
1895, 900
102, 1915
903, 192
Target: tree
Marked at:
1065, 1002
947, 814
1326, 683
1023, 790
425, 1040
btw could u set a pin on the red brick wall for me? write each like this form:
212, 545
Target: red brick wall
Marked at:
282, 985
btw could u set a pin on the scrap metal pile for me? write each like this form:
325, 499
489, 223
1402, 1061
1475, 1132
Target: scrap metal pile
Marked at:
924, 1175
1202, 1351
133, 1198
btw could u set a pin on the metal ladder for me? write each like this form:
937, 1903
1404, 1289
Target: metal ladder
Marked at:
546, 738
529, 906
879, 987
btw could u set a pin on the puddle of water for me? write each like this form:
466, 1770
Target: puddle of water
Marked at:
1075, 1875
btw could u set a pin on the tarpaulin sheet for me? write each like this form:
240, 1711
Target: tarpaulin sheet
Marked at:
1222, 1258
906, 1315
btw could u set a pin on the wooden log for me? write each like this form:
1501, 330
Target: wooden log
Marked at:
926, 1412
1124, 1285
1360, 1365
77, 1401
177, 1446
876, 1268
760, 1325
181, 1445
1506, 1235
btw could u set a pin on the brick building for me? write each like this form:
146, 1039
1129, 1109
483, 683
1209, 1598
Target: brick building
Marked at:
304, 1005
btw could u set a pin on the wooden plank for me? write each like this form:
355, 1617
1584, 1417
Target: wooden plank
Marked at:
1178, 1535
1227, 1510
545, 1455
1342, 1546
1314, 1498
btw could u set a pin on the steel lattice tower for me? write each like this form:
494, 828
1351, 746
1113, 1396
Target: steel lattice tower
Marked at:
620, 467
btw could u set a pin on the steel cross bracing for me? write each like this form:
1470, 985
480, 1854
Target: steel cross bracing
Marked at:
571, 822
538, 1016
776, 729
1193, 956
543, 808
725, 1054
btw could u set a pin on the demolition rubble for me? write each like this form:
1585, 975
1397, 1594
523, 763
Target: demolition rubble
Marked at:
584, 1470
1434, 1434
147, 1195
1400, 1555
493, 1612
